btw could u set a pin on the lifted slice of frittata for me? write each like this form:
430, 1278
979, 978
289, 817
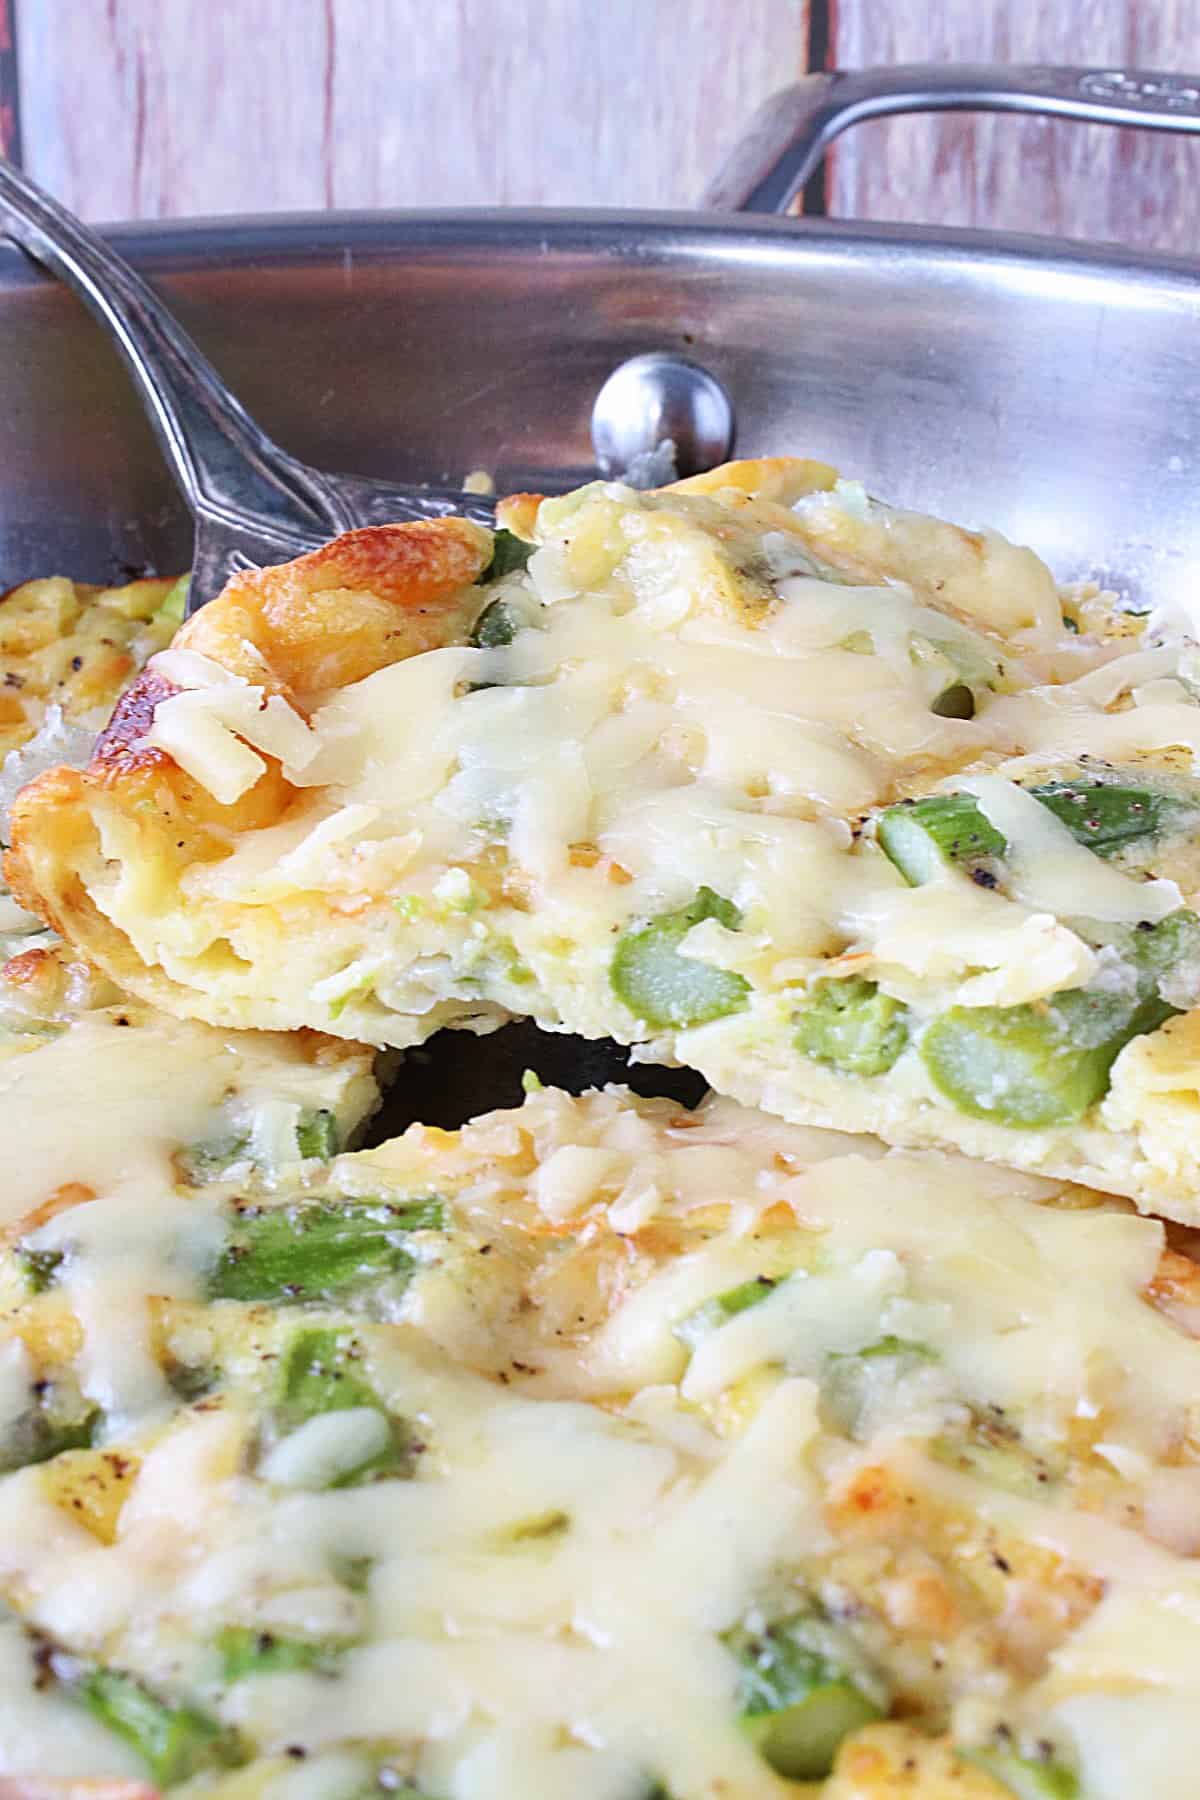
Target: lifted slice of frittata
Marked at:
849, 809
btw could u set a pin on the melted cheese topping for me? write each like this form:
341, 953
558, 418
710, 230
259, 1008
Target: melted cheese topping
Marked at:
922, 1433
150, 1090
1054, 873
956, 1423
153, 1087
142, 1092
684, 704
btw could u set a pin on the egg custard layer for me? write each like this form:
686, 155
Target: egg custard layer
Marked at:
851, 810
599, 1451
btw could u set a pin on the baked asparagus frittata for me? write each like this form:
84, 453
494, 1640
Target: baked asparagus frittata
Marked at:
603, 1450
852, 810
599, 1450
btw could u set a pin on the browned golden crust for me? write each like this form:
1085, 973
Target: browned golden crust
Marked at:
780, 479
355, 605
132, 718
72, 1193
37, 978
301, 630
518, 513
169, 815
933, 1548
774, 480
367, 599
53, 983
27, 969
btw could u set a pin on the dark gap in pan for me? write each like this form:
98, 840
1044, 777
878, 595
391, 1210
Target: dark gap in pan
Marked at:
457, 1075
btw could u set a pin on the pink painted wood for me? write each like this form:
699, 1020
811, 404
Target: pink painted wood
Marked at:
136, 108
9, 127
140, 108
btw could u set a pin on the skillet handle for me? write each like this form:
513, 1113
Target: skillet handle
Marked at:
788, 137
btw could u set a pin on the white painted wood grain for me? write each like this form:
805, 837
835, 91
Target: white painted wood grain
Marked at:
1137, 188
145, 108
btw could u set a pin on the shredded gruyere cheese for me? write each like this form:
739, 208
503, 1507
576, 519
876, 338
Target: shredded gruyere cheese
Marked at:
920, 1405
703, 699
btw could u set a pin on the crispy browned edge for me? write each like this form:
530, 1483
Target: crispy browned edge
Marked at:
299, 630
777, 480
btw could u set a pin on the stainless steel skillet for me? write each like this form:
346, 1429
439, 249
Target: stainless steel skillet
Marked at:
893, 346
1048, 388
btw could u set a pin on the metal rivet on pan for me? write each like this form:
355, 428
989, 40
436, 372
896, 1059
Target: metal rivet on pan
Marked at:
660, 415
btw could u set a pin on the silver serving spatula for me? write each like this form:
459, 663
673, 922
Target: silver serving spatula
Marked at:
253, 503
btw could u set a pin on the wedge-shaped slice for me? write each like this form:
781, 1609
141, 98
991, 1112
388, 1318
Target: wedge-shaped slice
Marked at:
652, 781
686, 1453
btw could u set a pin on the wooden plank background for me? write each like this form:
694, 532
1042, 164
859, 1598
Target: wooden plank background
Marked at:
148, 108
1090, 181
